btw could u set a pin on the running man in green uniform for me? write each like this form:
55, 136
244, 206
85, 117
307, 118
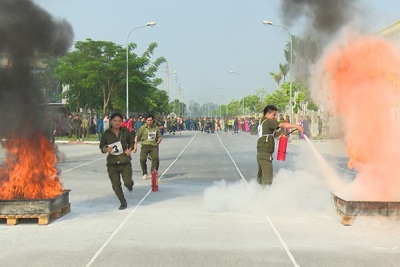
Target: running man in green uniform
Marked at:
150, 136
266, 143
118, 143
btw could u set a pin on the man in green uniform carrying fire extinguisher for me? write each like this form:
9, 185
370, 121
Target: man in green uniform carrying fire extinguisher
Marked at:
266, 143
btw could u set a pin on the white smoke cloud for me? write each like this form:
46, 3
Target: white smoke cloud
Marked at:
302, 191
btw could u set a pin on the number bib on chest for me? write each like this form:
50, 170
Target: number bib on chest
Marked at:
116, 148
151, 136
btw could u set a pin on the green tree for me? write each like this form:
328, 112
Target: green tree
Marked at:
253, 103
178, 108
235, 107
277, 78
194, 109
96, 74
225, 111
304, 53
157, 103
93, 72
278, 98
284, 70
209, 109
301, 96
143, 81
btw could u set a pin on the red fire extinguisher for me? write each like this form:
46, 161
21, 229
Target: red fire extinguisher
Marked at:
282, 146
154, 180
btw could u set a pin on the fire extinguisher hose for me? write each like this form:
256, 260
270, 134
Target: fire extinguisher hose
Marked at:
289, 133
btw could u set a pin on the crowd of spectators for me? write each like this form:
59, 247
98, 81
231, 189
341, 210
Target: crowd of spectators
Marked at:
80, 127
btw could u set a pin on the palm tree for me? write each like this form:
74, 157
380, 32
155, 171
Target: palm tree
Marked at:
284, 69
277, 78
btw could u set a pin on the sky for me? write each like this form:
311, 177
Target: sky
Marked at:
202, 40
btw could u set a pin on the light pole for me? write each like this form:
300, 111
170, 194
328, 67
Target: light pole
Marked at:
175, 87
220, 106
267, 22
152, 23
226, 106
234, 72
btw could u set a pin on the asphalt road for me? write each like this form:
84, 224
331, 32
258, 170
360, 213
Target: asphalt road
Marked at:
208, 211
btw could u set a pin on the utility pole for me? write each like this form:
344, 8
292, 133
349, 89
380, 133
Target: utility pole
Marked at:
167, 79
180, 100
175, 85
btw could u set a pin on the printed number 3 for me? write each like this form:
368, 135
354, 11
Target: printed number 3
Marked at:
115, 148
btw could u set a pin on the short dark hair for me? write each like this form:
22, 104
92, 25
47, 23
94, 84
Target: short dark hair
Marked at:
150, 116
270, 108
116, 115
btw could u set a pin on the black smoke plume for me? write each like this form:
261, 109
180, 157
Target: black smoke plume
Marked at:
323, 20
27, 34
325, 16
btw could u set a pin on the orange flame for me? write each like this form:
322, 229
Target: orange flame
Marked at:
29, 171
362, 76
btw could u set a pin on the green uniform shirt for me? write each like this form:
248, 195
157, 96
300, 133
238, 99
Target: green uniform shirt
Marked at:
268, 128
157, 123
148, 136
76, 123
85, 123
126, 139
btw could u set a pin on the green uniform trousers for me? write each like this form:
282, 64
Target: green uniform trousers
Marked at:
114, 173
253, 129
152, 151
264, 160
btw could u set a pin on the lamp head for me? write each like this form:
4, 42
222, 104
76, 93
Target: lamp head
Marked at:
151, 23
267, 22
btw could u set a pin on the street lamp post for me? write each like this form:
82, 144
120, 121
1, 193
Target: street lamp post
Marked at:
234, 72
267, 22
220, 106
175, 87
152, 23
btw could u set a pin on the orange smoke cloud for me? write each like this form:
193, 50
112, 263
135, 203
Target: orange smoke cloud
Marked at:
361, 79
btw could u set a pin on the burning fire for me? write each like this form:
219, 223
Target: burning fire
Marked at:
29, 171
361, 79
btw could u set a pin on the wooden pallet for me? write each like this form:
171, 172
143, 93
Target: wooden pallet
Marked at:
43, 219
347, 220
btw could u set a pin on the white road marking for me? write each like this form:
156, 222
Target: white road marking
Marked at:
167, 169
87, 163
282, 242
234, 163
100, 250
266, 216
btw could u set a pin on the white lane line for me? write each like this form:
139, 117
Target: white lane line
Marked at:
134, 209
266, 216
87, 163
100, 250
234, 163
282, 242
162, 175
